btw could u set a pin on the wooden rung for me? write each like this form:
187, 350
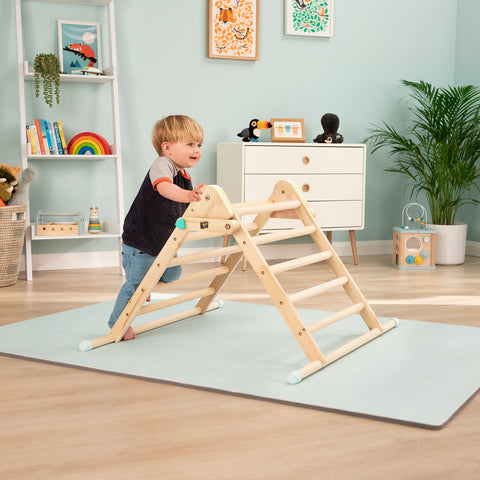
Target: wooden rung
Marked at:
144, 327
266, 207
300, 262
341, 314
193, 236
298, 375
323, 287
199, 256
169, 302
194, 276
359, 341
283, 235
259, 240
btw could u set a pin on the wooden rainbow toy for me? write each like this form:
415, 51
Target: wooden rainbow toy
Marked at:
88, 143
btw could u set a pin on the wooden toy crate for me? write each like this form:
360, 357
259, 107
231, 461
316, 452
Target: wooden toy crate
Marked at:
12, 234
58, 224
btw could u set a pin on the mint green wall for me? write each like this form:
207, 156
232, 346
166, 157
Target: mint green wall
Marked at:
164, 69
468, 73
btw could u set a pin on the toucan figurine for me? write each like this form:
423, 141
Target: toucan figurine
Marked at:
252, 132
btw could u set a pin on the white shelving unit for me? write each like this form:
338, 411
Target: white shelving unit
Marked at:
25, 74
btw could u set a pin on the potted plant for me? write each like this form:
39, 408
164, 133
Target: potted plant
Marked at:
47, 68
438, 153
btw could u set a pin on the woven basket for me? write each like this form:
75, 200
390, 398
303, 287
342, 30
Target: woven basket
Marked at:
12, 233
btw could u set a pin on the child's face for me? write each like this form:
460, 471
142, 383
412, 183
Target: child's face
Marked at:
183, 154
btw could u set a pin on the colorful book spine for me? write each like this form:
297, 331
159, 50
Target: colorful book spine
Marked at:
54, 140
40, 136
51, 147
43, 129
62, 137
58, 141
33, 129
31, 141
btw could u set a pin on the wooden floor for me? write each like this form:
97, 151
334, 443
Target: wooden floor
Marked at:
63, 423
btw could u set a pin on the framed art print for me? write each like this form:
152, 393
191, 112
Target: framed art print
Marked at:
309, 17
233, 29
79, 46
288, 130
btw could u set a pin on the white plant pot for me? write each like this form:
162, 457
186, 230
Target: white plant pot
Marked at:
451, 241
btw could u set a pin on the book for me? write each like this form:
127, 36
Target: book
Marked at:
40, 136
49, 137
58, 140
31, 141
51, 130
43, 130
62, 137
33, 129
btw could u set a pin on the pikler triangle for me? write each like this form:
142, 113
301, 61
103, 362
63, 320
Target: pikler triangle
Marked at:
215, 216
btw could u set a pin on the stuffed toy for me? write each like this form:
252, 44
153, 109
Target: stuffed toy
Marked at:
20, 196
330, 123
8, 182
252, 132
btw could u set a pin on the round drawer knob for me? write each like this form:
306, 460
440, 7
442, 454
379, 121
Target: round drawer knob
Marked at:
305, 160
306, 187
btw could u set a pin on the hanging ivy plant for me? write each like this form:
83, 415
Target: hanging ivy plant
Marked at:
47, 69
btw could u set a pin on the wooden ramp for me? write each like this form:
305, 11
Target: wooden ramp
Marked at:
215, 216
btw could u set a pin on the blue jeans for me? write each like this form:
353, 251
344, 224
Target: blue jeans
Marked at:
136, 264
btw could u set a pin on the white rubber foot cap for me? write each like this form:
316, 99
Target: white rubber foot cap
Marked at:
85, 346
294, 377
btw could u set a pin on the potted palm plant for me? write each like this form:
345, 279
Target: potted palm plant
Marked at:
438, 152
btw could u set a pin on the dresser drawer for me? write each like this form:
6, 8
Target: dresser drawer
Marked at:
341, 215
313, 187
303, 159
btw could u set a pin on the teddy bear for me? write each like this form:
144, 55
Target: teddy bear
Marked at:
20, 195
8, 182
330, 123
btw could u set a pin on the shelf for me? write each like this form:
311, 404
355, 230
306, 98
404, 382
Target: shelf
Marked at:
109, 230
77, 78
95, 3
71, 157
26, 76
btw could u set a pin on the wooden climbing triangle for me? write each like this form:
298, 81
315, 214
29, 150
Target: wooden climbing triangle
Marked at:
215, 216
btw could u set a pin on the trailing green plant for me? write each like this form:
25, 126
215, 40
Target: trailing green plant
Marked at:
439, 150
47, 68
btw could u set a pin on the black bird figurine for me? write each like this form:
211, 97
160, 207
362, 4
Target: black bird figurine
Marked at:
252, 132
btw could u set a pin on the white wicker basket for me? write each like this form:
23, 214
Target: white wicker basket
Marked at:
12, 234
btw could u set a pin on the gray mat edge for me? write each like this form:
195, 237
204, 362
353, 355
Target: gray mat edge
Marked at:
250, 396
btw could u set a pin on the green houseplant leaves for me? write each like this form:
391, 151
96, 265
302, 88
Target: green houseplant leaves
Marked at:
439, 150
47, 69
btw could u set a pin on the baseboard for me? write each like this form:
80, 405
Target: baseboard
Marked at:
62, 261
473, 248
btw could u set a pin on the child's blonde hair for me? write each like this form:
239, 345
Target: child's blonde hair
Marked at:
176, 128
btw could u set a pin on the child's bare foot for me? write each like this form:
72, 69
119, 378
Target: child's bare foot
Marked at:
129, 334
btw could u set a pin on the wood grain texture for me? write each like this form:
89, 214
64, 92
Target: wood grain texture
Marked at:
64, 423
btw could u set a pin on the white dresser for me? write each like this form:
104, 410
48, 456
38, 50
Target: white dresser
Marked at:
331, 176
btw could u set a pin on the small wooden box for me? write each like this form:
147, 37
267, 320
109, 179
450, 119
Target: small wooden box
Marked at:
58, 224
414, 249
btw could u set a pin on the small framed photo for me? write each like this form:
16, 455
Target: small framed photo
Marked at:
312, 18
233, 29
288, 130
79, 47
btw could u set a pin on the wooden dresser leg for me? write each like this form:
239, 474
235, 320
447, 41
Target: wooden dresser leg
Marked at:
329, 236
353, 242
